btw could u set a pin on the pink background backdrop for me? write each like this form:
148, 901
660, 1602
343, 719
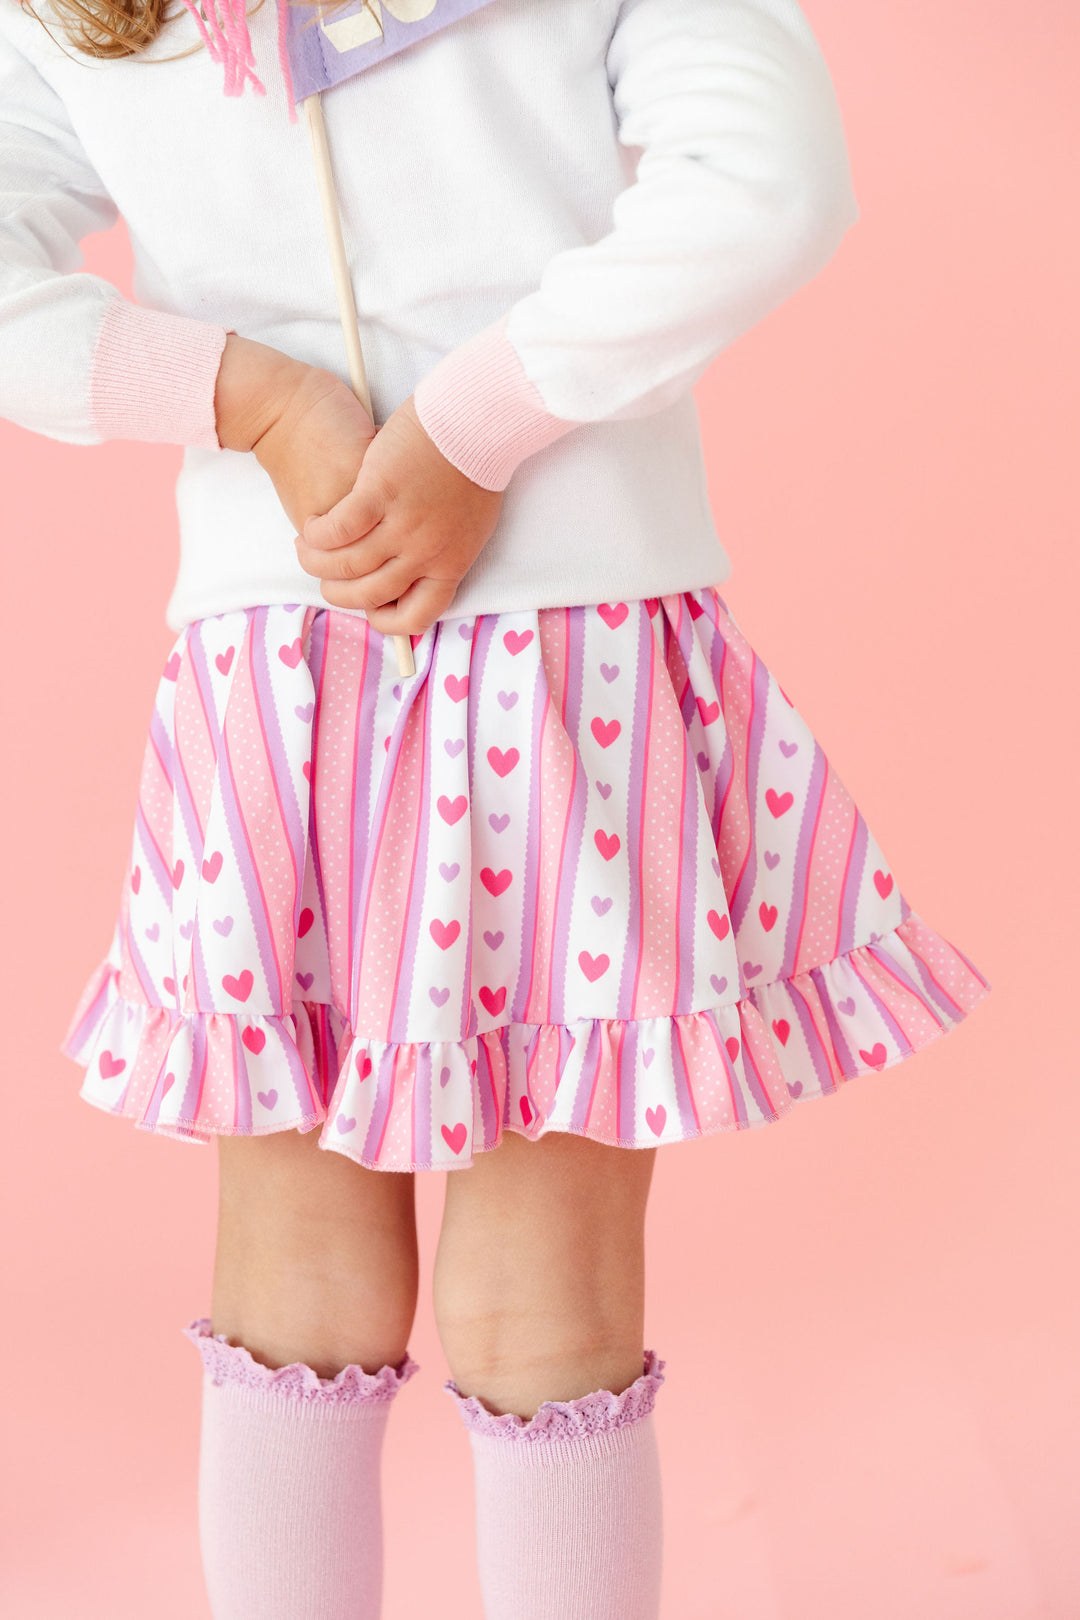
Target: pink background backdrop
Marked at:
869, 1310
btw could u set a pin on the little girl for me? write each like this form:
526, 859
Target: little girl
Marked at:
582, 886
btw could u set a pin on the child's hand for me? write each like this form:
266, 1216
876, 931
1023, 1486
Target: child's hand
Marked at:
305, 426
399, 542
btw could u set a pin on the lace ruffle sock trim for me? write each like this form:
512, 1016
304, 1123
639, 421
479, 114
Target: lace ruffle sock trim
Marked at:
568, 1504
290, 1491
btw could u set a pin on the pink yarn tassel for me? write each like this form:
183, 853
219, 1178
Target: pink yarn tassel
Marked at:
231, 44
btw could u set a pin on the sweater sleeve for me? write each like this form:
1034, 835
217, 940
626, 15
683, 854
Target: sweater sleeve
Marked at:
742, 194
79, 362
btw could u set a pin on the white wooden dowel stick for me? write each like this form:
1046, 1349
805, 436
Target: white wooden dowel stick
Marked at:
346, 302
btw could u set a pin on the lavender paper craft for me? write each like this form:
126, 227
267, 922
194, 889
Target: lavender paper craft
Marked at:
321, 45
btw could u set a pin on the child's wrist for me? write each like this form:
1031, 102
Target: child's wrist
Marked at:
255, 384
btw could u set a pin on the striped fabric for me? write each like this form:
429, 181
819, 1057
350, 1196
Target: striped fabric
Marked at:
587, 870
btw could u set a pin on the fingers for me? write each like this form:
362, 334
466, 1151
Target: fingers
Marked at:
373, 590
354, 516
351, 563
416, 608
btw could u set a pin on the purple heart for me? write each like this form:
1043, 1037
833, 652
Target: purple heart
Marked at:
601, 907
716, 866
703, 762
874, 938
493, 940
397, 689
304, 711
267, 1098
185, 929
465, 630
290, 607
223, 926
752, 969
449, 872
499, 823
439, 997
603, 788
444, 1076
508, 699
795, 1087
770, 859
345, 1125
454, 747
719, 985
847, 1005
152, 933
787, 749
647, 1056
304, 980
609, 671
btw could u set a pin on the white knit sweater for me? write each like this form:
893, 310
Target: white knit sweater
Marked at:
557, 213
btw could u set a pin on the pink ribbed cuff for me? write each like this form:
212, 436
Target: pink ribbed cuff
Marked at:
153, 376
482, 412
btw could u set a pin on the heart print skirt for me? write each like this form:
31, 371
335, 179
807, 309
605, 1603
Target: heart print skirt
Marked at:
586, 870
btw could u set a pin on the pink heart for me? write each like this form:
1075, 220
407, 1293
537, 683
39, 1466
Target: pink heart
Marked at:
781, 1029
455, 1138
170, 986
768, 915
779, 802
452, 810
241, 987
109, 1066
613, 614
254, 1039
493, 941
136, 879
503, 763
608, 844
306, 768
605, 731
178, 874
707, 711
593, 967
305, 980
696, 609
526, 1111
719, 925
496, 883
876, 1057
212, 867
883, 884
224, 660
167, 1083
363, 1065
307, 918
847, 1005
494, 1000
267, 1098
652, 606
172, 668
732, 1047
444, 934
655, 1118
345, 1125
457, 687
291, 654
515, 640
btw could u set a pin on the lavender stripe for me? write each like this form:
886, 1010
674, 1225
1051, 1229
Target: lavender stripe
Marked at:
586, 1086
575, 829
801, 876
844, 1052
936, 993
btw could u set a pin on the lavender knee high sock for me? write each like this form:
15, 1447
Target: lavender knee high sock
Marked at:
290, 1512
568, 1505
